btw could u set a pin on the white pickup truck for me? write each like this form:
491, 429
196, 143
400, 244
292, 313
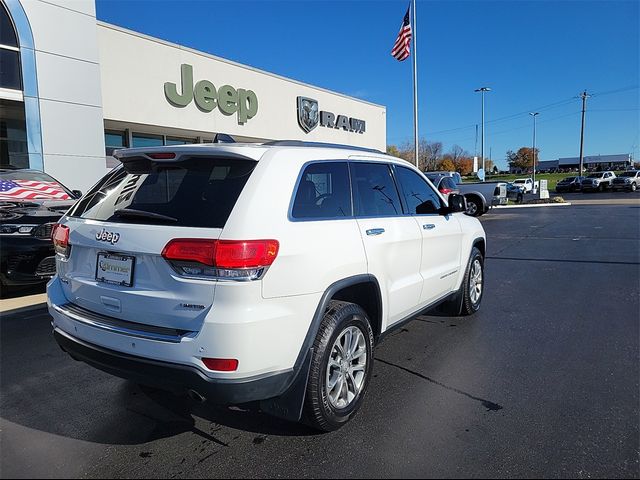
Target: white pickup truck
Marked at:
527, 183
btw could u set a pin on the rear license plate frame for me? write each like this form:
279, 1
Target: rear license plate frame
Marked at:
118, 257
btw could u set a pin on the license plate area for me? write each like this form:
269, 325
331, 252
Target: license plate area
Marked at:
115, 269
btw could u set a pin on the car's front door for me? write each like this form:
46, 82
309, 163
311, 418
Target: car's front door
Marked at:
392, 240
441, 235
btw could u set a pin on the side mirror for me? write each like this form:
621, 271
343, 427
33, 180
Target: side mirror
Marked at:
77, 193
457, 203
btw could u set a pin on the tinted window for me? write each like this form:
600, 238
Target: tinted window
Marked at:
374, 191
7, 33
10, 69
323, 191
416, 192
191, 193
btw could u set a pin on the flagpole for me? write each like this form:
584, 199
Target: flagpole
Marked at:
415, 84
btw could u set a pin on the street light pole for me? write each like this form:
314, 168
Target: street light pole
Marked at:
584, 95
482, 90
534, 115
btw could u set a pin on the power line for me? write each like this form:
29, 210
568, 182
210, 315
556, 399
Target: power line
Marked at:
609, 92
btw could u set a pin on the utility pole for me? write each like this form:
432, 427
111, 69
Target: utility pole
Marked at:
534, 115
482, 90
584, 95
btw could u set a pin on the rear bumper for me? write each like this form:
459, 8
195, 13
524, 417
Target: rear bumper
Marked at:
174, 377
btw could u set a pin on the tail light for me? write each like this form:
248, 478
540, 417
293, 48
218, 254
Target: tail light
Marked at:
221, 259
162, 155
446, 191
60, 237
221, 364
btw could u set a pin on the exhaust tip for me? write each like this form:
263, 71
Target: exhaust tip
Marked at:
193, 395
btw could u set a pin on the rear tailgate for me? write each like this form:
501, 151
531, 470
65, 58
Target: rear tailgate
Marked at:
157, 296
118, 230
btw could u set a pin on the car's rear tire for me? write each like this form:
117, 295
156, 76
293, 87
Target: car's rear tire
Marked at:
473, 283
633, 187
340, 367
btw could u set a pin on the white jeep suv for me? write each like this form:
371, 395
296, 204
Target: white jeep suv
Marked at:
258, 273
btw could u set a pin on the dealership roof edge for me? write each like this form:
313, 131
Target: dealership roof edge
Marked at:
230, 62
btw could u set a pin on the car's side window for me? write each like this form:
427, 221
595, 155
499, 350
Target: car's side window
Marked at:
374, 191
323, 192
417, 192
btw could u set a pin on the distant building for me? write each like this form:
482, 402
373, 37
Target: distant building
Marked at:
620, 161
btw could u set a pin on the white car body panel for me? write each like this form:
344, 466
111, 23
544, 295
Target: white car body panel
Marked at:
262, 323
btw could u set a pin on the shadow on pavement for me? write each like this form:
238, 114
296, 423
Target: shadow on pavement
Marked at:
47, 391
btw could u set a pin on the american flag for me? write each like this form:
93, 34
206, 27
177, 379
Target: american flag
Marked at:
31, 190
400, 50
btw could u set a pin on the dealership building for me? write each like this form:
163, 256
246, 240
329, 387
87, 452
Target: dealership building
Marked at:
73, 89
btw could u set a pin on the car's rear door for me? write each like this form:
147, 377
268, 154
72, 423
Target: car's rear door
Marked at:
392, 240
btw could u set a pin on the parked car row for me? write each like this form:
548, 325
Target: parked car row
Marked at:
600, 182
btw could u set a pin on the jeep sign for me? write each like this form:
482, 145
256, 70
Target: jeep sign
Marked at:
229, 100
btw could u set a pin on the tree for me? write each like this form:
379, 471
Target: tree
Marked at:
446, 164
457, 153
393, 150
522, 159
431, 153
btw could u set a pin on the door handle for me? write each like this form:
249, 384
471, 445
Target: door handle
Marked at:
375, 231
428, 226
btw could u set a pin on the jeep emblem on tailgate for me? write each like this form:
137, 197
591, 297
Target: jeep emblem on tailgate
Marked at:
105, 236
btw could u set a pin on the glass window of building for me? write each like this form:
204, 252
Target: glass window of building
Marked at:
13, 128
8, 36
179, 141
145, 140
9, 53
13, 135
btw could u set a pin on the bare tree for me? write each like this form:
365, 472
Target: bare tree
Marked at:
457, 152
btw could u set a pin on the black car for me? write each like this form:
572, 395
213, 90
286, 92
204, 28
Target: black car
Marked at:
31, 202
569, 184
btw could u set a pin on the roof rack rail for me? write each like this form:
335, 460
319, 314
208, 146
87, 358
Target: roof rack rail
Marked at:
301, 143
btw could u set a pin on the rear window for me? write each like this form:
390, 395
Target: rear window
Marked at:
323, 192
197, 192
449, 183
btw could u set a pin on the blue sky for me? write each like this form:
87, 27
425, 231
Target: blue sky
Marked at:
535, 55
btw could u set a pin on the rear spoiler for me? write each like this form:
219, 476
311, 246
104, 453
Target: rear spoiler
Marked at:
137, 162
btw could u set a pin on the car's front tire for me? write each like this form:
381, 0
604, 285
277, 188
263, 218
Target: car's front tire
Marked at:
340, 368
473, 283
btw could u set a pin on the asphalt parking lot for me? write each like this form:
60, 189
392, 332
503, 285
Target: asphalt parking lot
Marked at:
542, 382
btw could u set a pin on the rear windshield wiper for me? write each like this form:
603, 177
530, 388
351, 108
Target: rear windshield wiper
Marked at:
129, 212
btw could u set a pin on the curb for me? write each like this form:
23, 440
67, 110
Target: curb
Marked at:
22, 304
565, 204
35, 306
